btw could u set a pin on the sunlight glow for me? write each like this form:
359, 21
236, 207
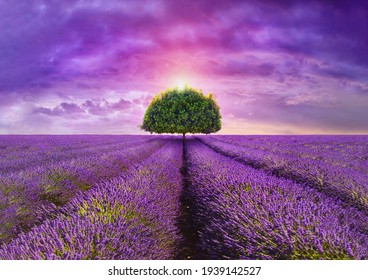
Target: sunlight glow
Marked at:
181, 83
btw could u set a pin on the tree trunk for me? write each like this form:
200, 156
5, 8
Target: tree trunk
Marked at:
183, 137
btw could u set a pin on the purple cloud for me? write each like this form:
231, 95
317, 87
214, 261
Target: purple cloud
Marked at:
88, 107
281, 63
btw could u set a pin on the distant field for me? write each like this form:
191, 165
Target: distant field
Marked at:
218, 197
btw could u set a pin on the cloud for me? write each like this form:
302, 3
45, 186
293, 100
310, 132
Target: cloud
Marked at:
88, 107
62, 109
66, 41
268, 58
302, 113
244, 68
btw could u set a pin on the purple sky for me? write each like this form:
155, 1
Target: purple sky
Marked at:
275, 67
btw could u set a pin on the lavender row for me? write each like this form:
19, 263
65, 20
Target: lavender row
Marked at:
346, 151
244, 213
130, 217
22, 195
22, 152
349, 185
350, 153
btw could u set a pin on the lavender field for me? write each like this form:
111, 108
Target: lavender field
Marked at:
215, 197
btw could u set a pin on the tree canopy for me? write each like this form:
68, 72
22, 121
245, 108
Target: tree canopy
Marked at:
182, 111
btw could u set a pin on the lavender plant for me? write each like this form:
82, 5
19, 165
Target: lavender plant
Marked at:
246, 213
26, 193
129, 217
255, 197
343, 182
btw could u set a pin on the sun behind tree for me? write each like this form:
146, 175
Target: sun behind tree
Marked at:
182, 111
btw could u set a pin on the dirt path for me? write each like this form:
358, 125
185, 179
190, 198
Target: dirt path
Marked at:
187, 249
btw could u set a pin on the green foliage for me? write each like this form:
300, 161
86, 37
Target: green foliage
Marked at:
182, 111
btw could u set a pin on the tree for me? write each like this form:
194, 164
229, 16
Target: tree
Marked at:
182, 111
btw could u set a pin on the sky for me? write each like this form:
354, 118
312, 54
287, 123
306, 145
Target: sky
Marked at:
274, 67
